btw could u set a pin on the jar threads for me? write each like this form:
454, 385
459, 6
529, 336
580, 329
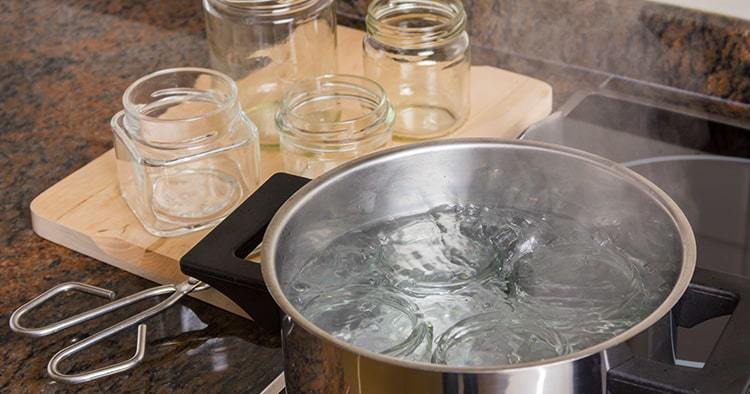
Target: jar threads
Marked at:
419, 51
330, 119
186, 154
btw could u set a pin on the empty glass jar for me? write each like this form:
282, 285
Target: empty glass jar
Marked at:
266, 45
419, 51
186, 153
331, 119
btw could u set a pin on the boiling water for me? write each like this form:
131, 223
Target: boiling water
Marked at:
475, 286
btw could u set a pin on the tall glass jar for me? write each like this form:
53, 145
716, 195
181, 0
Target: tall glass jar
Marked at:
330, 119
186, 154
419, 51
266, 45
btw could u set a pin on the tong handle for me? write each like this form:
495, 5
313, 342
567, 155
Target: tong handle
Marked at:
53, 368
178, 291
15, 318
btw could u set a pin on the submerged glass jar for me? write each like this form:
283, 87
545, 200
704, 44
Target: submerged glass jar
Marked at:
186, 154
419, 51
331, 119
266, 45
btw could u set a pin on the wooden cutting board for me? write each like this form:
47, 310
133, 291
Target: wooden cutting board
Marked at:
85, 212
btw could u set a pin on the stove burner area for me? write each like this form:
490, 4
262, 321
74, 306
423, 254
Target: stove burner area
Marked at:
704, 165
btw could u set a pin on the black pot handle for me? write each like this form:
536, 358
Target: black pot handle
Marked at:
219, 258
727, 370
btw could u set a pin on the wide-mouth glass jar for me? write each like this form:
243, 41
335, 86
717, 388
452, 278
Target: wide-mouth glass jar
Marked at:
330, 119
419, 51
186, 154
267, 45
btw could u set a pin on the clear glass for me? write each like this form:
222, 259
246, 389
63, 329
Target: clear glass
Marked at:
267, 45
419, 51
331, 119
186, 154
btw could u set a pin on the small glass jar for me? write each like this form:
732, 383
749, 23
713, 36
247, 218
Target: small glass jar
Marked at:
266, 45
186, 154
419, 51
331, 119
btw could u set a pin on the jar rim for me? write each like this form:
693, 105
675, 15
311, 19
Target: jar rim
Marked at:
268, 8
227, 101
451, 12
286, 118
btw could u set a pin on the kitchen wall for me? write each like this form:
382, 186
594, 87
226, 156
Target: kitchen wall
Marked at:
657, 43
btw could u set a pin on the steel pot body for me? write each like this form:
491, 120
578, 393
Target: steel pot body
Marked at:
315, 365
523, 175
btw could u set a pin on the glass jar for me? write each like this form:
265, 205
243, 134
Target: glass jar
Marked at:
419, 51
331, 119
186, 154
266, 45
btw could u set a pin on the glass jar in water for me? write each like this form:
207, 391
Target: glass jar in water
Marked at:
186, 154
266, 45
419, 51
331, 119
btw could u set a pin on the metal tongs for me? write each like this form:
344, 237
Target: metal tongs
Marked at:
176, 292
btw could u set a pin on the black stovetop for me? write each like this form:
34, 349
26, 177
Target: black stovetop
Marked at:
704, 165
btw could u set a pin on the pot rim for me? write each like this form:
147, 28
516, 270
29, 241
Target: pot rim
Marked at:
288, 209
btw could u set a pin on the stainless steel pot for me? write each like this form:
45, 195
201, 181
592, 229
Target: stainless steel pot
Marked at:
525, 175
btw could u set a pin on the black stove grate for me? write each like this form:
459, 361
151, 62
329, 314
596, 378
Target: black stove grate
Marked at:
727, 370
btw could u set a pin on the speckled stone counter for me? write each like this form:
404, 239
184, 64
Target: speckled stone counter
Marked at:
63, 67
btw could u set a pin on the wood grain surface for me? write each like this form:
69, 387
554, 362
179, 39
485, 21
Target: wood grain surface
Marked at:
85, 212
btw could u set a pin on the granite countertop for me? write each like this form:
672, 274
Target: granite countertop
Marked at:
64, 65
63, 68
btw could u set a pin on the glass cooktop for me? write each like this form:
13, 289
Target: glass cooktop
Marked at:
703, 164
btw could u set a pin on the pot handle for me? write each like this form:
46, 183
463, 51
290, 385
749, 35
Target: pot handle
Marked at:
219, 258
727, 370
